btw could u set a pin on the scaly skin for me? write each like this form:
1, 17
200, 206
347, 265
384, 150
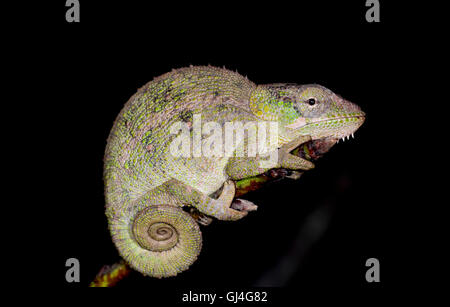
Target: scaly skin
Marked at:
111, 275
146, 185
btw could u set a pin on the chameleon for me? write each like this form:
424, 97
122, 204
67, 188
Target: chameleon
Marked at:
155, 200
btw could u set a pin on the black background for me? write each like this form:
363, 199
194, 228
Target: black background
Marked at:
332, 220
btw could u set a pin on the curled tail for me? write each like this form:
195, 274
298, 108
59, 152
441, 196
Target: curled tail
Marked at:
158, 241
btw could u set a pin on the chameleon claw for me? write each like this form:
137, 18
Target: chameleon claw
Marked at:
204, 220
201, 218
278, 173
243, 205
234, 215
294, 175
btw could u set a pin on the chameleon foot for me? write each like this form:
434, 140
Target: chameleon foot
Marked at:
289, 161
201, 218
277, 173
204, 220
216, 207
224, 202
294, 175
243, 205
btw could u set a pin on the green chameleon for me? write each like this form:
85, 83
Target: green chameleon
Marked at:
148, 188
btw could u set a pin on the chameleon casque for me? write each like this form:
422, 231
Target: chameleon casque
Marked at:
148, 189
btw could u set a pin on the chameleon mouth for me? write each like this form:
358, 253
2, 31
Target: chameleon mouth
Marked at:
316, 148
340, 128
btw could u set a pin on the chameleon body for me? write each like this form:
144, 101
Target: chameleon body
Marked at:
147, 185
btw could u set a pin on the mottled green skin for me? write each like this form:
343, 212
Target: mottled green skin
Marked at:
135, 160
140, 172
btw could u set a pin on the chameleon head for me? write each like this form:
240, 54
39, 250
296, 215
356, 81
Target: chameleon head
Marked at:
306, 110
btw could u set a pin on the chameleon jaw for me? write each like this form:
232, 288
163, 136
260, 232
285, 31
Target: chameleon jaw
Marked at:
339, 128
303, 121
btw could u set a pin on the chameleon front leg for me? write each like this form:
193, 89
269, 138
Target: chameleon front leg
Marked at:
290, 161
219, 208
245, 167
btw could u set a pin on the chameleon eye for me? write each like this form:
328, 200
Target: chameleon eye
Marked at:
311, 101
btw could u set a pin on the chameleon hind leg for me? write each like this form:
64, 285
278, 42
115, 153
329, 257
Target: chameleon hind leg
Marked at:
155, 236
219, 207
237, 204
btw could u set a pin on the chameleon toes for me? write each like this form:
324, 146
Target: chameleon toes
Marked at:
243, 205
